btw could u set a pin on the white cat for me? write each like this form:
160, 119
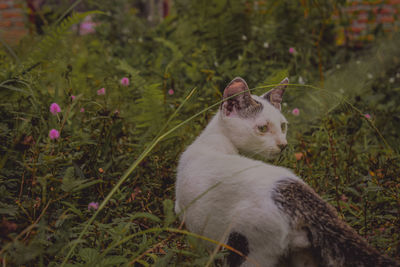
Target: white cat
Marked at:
265, 212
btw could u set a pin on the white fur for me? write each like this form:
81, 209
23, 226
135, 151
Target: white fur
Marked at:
234, 192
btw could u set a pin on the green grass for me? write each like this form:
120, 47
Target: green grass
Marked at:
122, 151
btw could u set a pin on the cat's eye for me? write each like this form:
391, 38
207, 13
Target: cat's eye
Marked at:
283, 127
263, 128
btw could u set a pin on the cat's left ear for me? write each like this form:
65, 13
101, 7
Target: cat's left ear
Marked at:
238, 100
275, 95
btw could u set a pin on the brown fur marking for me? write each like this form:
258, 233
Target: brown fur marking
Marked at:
333, 242
244, 104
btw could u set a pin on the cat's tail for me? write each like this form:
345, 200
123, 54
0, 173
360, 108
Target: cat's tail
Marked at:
332, 241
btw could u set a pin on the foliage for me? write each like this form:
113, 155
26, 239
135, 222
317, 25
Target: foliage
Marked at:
46, 185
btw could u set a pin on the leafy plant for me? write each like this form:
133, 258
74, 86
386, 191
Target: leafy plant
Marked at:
101, 193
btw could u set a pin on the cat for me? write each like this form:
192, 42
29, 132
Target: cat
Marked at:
265, 212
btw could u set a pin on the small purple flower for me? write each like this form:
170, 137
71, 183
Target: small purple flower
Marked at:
171, 92
87, 26
82, 110
55, 108
125, 81
292, 50
101, 91
93, 205
367, 116
73, 97
296, 111
54, 134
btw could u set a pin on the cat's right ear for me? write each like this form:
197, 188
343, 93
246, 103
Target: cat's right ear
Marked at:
275, 95
242, 104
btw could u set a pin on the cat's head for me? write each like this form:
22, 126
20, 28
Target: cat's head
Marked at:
254, 124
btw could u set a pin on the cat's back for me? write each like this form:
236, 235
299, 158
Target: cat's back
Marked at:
201, 168
201, 160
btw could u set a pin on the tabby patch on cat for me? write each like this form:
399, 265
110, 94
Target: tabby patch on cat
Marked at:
264, 211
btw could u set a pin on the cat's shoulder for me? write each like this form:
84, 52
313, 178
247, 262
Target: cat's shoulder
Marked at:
202, 160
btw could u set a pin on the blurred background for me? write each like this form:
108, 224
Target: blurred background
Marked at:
86, 86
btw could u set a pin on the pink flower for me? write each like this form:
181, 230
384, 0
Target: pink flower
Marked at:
87, 26
292, 50
367, 116
82, 110
101, 91
54, 134
55, 108
93, 205
125, 81
73, 97
296, 111
171, 92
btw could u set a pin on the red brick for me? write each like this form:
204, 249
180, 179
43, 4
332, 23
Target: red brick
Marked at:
370, 37
363, 15
357, 29
8, 15
3, 6
362, 12
369, 2
19, 23
13, 36
5, 24
386, 19
383, 10
387, 10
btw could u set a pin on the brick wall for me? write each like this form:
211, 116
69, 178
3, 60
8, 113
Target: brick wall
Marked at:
361, 19
12, 20
356, 23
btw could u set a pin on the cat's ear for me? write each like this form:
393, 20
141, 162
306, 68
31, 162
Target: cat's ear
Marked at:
275, 95
242, 104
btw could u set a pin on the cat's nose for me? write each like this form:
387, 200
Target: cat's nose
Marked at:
282, 146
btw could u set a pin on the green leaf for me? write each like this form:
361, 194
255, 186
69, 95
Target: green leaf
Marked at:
11, 210
145, 215
73, 208
70, 184
165, 260
113, 261
84, 185
176, 52
169, 214
13, 88
135, 74
89, 255
55, 33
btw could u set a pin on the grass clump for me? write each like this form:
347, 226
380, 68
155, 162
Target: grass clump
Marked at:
100, 191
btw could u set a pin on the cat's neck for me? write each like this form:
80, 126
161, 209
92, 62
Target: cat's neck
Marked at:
214, 138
